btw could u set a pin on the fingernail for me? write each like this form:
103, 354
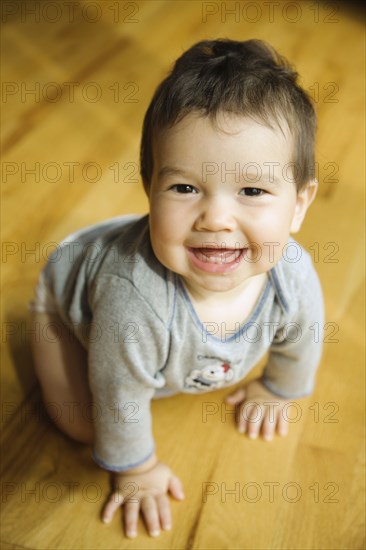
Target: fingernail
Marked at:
106, 519
283, 433
253, 436
167, 526
155, 533
268, 437
241, 429
131, 534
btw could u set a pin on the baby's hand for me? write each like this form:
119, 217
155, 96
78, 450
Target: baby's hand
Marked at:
147, 492
253, 412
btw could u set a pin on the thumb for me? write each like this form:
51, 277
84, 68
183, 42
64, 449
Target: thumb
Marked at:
176, 487
236, 397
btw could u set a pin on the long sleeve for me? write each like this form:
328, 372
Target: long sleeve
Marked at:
296, 350
128, 346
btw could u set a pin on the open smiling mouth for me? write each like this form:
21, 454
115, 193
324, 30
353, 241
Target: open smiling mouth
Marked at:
216, 260
218, 255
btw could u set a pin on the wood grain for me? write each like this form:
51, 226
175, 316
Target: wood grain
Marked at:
301, 492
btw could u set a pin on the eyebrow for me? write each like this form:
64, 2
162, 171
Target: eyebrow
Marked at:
171, 171
268, 179
251, 177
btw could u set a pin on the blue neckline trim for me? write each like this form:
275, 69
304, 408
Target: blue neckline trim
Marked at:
275, 279
240, 332
171, 277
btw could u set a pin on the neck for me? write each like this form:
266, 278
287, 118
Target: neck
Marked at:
201, 295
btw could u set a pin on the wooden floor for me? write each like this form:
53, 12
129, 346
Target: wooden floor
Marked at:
70, 158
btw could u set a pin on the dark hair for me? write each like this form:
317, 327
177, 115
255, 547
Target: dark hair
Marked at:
245, 78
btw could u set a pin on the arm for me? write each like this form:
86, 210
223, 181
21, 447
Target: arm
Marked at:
127, 349
297, 346
294, 355
126, 352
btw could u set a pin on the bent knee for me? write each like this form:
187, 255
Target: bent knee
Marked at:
73, 425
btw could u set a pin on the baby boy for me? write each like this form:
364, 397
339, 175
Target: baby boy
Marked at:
191, 296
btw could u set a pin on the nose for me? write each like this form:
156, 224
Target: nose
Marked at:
215, 214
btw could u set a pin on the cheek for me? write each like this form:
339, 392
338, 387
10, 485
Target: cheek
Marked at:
162, 238
167, 225
276, 220
270, 231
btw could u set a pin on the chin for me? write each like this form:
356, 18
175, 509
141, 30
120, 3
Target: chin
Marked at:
215, 284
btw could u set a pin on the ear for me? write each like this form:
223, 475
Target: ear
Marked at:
303, 201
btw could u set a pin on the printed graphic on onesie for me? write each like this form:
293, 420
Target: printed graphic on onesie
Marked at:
212, 376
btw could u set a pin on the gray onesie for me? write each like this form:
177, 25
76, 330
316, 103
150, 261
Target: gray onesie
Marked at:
145, 339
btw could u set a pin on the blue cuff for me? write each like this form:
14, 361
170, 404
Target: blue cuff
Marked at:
114, 468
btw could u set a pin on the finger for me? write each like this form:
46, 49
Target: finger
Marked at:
255, 419
282, 424
164, 511
114, 502
269, 424
241, 418
236, 397
131, 517
244, 416
176, 488
149, 510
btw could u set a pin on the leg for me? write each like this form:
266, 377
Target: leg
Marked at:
61, 367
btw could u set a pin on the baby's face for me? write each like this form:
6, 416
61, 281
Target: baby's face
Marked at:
233, 192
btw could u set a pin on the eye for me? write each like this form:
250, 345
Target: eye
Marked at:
183, 188
253, 191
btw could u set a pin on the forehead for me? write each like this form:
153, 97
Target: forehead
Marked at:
196, 139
